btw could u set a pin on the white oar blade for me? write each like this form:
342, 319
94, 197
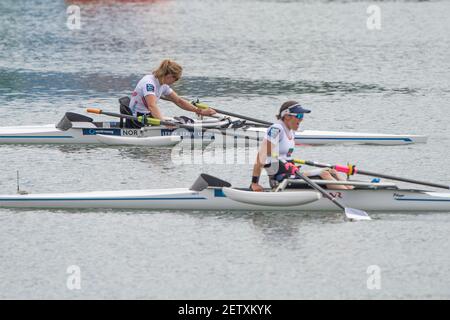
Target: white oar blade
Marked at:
356, 215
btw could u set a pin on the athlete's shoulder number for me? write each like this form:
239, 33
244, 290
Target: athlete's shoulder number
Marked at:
273, 132
150, 87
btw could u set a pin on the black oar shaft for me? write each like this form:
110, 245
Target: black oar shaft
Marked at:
320, 189
386, 176
119, 115
231, 114
378, 175
349, 213
316, 164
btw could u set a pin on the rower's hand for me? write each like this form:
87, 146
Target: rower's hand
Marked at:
333, 171
207, 112
256, 187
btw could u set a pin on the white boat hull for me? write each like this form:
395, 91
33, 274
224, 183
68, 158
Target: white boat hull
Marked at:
159, 141
332, 137
215, 199
314, 137
49, 134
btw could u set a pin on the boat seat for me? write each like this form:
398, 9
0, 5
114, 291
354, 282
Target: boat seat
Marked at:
125, 101
205, 180
125, 109
69, 118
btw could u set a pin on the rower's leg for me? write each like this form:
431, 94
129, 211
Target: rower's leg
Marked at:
326, 175
339, 177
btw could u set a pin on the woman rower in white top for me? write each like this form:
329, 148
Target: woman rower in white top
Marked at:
275, 154
151, 87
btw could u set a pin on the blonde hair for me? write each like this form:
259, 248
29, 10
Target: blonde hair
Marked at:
167, 67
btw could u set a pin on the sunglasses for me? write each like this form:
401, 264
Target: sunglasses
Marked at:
297, 115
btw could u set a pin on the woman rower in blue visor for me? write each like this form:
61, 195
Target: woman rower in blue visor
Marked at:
275, 154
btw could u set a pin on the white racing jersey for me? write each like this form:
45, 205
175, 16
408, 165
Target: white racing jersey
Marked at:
283, 145
282, 139
148, 85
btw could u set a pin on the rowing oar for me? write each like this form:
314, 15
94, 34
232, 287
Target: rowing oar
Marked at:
153, 121
203, 105
351, 170
349, 213
141, 119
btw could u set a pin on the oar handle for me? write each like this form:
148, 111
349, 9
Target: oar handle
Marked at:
93, 110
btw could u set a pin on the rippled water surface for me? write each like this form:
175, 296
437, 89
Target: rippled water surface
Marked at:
246, 57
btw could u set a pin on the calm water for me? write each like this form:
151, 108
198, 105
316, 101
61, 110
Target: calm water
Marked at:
243, 56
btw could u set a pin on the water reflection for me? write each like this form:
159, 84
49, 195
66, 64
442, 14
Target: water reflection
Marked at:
16, 82
273, 226
110, 2
223, 87
285, 226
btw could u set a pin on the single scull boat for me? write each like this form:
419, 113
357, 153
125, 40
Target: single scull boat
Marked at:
79, 129
210, 193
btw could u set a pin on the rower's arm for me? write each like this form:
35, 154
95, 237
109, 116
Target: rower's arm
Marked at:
153, 107
183, 104
264, 152
186, 105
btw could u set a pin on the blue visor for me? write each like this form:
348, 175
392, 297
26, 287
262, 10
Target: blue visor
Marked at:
295, 110
298, 109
